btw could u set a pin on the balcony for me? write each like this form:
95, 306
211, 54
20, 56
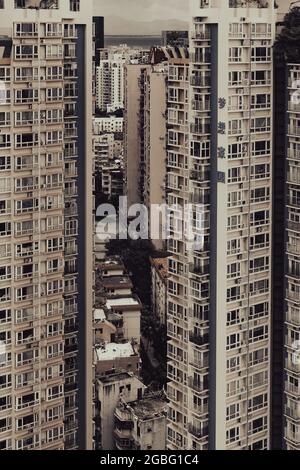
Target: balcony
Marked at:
293, 436
292, 412
294, 130
197, 431
199, 340
292, 389
290, 365
197, 386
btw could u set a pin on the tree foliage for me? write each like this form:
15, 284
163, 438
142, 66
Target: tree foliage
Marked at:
288, 41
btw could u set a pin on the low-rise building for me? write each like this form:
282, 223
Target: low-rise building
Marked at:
130, 310
141, 424
108, 124
109, 389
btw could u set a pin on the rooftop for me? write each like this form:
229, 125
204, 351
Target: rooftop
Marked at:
114, 377
117, 281
149, 407
111, 351
122, 302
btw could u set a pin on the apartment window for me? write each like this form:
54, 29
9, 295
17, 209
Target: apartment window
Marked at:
54, 73
235, 127
258, 402
234, 246
5, 119
5, 294
5, 229
5, 402
233, 364
27, 379
25, 293
24, 206
54, 116
5, 273
27, 358
235, 54
5, 316
26, 162
54, 413
259, 264
55, 350
54, 392
5, 163
258, 425
5, 208
26, 118
234, 175
26, 29
54, 137
26, 96
233, 270
28, 443
261, 29
24, 228
5, 381
232, 435
54, 94
259, 218
23, 52
26, 74
261, 101
233, 341
261, 54
258, 334
259, 310
260, 171
4, 96
233, 317
5, 141
262, 124
54, 51
237, 151
235, 78
26, 422
258, 356
74, 5
260, 195
54, 245
5, 185
261, 77
5, 74
53, 29
259, 287
234, 222
55, 372
232, 411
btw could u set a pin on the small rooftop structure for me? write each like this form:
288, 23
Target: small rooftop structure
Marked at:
99, 315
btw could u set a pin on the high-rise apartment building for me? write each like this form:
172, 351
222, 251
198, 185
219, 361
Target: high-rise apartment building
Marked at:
292, 266
219, 297
46, 224
110, 80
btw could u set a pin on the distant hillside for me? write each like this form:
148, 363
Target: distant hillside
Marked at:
114, 25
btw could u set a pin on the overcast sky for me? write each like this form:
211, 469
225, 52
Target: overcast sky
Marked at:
143, 9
